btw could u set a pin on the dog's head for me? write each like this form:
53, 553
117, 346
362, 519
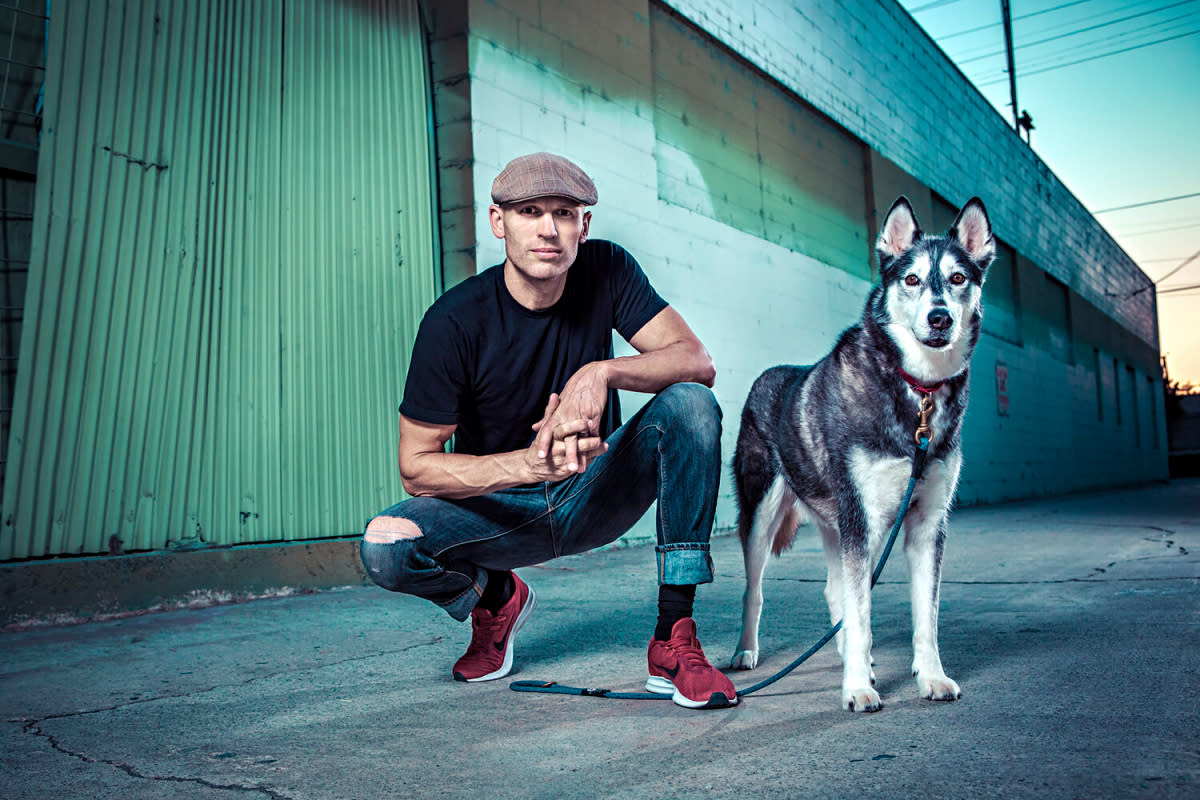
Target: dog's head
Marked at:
932, 284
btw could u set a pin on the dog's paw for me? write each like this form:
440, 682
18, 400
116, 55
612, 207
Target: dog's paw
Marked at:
744, 659
938, 687
863, 699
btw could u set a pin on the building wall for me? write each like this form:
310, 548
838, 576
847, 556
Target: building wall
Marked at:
23, 56
233, 244
871, 68
733, 173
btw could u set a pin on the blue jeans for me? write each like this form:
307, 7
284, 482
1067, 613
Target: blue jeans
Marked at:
670, 451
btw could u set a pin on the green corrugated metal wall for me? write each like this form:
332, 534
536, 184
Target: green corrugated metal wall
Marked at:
233, 245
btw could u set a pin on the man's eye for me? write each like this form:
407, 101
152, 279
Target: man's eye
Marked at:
912, 280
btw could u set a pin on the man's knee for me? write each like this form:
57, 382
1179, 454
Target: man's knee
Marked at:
381, 553
694, 405
386, 530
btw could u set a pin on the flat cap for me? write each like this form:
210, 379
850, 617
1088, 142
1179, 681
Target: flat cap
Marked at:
543, 175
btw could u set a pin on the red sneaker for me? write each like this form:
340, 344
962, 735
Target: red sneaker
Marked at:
490, 655
678, 667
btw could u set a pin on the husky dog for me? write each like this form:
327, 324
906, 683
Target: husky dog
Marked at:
836, 439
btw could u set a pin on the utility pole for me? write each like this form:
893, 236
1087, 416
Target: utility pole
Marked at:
1006, 12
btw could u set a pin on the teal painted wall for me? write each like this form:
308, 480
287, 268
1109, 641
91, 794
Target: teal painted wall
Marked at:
755, 215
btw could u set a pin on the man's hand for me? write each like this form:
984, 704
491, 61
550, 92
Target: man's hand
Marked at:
561, 449
581, 402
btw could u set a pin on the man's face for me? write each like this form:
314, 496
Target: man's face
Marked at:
541, 236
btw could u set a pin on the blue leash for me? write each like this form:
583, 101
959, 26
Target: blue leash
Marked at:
552, 687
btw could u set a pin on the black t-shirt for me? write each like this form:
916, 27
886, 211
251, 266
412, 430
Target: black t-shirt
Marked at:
487, 364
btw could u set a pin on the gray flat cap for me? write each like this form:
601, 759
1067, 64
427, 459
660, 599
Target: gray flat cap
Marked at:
543, 175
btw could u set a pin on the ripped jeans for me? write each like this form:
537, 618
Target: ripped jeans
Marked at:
669, 451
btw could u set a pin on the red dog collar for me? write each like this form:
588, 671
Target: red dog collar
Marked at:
920, 387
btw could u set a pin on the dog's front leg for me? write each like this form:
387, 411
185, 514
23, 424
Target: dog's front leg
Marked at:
924, 544
857, 693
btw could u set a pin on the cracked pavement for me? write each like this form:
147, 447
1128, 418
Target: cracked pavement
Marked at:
1070, 623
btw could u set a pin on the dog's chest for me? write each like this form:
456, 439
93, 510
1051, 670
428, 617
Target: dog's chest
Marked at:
879, 481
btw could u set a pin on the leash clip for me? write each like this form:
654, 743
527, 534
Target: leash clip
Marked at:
923, 429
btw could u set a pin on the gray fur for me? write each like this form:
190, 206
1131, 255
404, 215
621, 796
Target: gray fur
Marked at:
836, 439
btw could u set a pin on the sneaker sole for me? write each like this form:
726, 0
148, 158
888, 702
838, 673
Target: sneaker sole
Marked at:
506, 665
660, 685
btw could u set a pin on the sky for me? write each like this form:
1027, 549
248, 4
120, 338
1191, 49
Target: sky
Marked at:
1120, 127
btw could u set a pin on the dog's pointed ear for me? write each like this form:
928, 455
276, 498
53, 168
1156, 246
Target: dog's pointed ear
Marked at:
900, 230
973, 231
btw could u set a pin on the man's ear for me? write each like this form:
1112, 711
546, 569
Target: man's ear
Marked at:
496, 217
583, 230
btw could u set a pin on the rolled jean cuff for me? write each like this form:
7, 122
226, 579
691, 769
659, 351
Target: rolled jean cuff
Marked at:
684, 564
460, 607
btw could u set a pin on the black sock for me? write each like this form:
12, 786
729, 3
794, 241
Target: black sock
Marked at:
674, 604
498, 591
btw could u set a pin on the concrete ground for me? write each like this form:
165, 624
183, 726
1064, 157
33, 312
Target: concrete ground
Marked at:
1071, 625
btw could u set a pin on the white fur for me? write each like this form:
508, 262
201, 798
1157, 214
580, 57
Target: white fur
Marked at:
771, 513
921, 531
880, 484
909, 327
928, 364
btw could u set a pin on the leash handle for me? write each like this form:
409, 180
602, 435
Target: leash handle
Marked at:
552, 687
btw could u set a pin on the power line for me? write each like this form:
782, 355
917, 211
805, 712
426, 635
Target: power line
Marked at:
1147, 203
1161, 230
1094, 58
1187, 261
1090, 16
1078, 31
1014, 19
1156, 28
934, 4
1173, 289
1193, 291
1090, 50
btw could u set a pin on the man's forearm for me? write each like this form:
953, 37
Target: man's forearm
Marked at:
651, 372
456, 475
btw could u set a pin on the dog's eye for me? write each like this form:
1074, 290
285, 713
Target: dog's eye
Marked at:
911, 280
958, 279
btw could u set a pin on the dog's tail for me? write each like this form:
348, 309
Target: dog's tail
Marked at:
754, 468
790, 519
788, 516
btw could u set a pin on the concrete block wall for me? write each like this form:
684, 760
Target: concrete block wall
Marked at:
872, 69
576, 78
1053, 439
579, 79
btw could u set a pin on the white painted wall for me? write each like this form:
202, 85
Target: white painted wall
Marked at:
576, 78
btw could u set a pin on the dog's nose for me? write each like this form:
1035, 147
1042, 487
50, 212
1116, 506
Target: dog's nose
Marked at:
940, 319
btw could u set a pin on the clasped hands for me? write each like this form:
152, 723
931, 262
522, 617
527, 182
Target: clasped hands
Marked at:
568, 434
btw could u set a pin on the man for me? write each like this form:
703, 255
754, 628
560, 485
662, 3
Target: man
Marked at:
517, 364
